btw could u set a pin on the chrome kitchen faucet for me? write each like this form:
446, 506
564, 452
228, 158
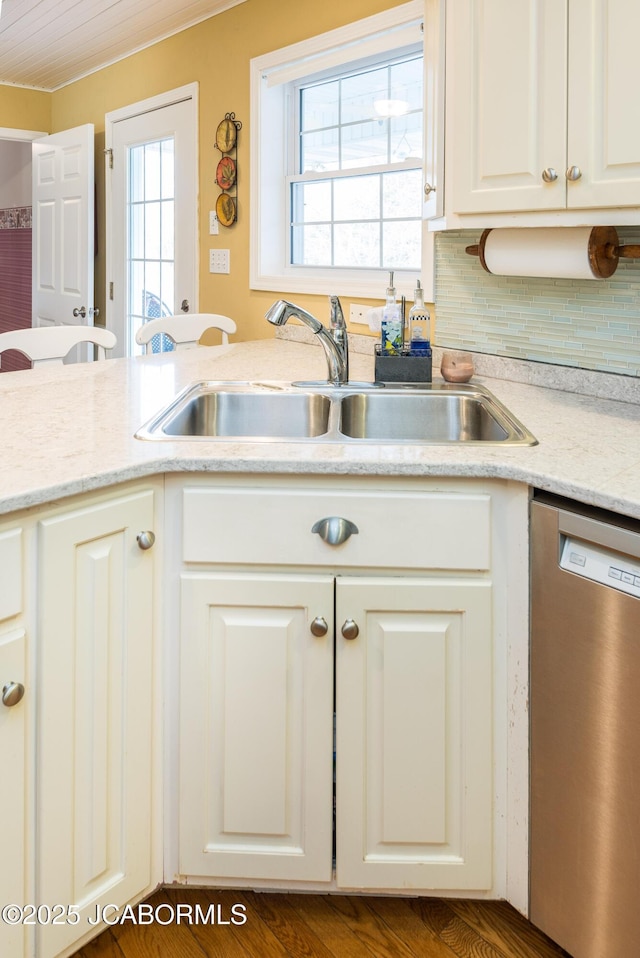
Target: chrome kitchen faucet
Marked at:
334, 341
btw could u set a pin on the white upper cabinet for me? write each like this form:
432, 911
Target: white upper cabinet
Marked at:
538, 119
604, 133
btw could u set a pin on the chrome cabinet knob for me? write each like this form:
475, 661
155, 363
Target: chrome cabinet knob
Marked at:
573, 173
549, 175
319, 626
145, 539
429, 189
184, 306
12, 693
350, 629
334, 529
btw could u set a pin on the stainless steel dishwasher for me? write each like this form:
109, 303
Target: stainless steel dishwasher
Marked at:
585, 729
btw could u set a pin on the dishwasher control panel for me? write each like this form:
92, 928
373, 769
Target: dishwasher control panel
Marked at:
601, 565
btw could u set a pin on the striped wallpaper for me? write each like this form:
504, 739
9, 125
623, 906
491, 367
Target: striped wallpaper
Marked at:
15, 279
591, 324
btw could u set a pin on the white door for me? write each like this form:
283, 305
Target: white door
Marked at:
63, 228
152, 215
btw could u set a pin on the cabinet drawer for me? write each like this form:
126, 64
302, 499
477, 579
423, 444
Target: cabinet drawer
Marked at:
10, 573
436, 530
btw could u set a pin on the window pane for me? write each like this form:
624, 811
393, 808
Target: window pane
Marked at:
401, 244
402, 194
311, 202
406, 137
167, 183
167, 297
136, 230
357, 244
167, 249
152, 290
406, 83
364, 144
319, 106
311, 245
136, 173
359, 93
357, 198
319, 151
152, 231
152, 171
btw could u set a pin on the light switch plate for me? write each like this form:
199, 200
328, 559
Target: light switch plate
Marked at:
213, 223
219, 261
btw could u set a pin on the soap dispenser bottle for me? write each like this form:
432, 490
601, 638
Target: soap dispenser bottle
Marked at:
391, 324
419, 325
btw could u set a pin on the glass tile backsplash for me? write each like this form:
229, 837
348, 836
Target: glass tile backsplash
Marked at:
592, 324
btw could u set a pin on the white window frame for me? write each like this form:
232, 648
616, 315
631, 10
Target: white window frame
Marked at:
270, 111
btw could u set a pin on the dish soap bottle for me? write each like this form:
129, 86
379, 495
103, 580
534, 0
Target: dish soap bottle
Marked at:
391, 324
419, 325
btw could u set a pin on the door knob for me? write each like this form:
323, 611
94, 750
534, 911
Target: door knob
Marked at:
83, 312
12, 693
428, 189
145, 539
350, 629
319, 626
573, 173
334, 529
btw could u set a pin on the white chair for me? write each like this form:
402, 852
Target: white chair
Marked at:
50, 344
185, 330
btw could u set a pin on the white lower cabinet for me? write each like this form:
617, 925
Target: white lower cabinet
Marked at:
256, 726
94, 711
13, 795
414, 725
410, 683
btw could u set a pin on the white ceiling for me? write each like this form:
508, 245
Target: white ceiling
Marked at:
48, 43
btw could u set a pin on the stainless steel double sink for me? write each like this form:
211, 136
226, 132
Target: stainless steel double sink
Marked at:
275, 412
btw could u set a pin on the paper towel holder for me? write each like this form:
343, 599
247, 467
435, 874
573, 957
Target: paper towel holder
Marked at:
604, 251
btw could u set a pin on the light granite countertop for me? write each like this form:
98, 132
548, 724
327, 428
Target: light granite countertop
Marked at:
71, 429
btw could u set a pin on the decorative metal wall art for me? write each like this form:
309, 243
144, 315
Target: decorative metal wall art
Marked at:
227, 169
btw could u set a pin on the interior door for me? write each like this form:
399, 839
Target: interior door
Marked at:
152, 216
63, 228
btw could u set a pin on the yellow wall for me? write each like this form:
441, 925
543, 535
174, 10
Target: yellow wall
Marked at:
216, 54
22, 109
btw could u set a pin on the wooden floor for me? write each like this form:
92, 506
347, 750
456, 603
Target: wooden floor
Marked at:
325, 926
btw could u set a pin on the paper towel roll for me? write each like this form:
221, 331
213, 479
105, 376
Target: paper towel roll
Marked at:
561, 252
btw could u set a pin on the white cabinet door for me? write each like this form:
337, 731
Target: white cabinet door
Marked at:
604, 135
256, 726
506, 78
13, 834
94, 711
414, 733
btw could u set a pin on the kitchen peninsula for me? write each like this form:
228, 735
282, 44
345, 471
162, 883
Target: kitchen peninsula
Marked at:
177, 718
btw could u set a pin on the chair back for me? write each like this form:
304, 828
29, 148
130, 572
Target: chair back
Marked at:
50, 344
185, 329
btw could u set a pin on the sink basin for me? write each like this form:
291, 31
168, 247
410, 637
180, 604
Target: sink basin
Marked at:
230, 411
265, 411
428, 416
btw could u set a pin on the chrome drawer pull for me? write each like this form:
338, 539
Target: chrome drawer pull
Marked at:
335, 530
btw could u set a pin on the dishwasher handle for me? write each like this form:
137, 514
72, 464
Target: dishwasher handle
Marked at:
599, 533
